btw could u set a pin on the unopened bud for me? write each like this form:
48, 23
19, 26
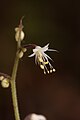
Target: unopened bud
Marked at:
19, 34
1, 78
24, 49
5, 83
21, 54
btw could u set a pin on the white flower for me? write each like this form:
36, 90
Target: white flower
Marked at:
34, 116
42, 58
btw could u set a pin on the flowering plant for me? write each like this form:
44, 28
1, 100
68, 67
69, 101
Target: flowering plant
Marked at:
41, 58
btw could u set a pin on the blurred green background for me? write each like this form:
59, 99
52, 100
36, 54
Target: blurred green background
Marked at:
57, 96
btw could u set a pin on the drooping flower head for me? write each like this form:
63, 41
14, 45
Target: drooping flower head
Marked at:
42, 59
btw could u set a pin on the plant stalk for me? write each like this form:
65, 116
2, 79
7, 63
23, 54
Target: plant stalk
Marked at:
14, 74
13, 83
13, 89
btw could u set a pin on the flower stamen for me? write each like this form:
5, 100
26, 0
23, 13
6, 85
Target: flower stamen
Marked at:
42, 66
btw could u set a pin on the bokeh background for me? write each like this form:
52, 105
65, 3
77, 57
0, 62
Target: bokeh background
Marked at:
57, 96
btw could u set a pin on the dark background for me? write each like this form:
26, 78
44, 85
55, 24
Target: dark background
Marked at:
57, 96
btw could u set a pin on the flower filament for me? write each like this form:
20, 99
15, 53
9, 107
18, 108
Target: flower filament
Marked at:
44, 63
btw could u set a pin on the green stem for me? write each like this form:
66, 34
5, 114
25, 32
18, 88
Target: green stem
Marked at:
13, 83
13, 89
14, 73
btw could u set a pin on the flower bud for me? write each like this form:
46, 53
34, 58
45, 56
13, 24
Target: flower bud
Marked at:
1, 78
21, 54
5, 83
19, 34
24, 49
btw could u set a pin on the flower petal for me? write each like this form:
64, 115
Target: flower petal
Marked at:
36, 59
32, 55
47, 56
46, 45
45, 48
52, 50
36, 49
